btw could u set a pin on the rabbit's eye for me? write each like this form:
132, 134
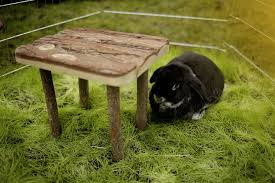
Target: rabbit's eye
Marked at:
176, 86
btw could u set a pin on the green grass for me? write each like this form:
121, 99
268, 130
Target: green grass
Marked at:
19, 20
234, 142
257, 47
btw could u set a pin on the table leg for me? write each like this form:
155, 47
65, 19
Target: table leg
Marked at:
115, 127
84, 93
46, 77
142, 99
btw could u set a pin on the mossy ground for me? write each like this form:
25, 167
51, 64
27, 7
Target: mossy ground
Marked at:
234, 142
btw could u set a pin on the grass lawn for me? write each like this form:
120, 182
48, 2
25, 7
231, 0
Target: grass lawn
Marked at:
234, 142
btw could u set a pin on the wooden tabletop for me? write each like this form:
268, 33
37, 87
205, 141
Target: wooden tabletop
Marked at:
111, 57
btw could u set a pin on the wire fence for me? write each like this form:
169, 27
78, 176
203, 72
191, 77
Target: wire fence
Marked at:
250, 62
254, 28
165, 16
254, 19
266, 4
52, 25
233, 16
15, 3
4, 3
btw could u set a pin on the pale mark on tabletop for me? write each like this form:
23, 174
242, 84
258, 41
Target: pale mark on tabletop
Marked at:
64, 56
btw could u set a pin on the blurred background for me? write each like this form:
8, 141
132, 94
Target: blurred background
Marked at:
242, 26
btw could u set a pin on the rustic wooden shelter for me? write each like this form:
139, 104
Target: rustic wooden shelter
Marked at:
112, 58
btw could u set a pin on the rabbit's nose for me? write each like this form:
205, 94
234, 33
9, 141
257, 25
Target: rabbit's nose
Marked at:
162, 99
159, 99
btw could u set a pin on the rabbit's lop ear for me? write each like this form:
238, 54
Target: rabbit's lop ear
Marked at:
193, 81
155, 75
197, 85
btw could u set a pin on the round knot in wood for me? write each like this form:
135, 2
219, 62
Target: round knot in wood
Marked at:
46, 47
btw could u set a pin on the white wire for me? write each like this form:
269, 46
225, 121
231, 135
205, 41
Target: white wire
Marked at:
16, 70
197, 46
250, 62
73, 19
165, 15
171, 43
52, 25
20, 2
265, 4
257, 30
116, 12
98, 12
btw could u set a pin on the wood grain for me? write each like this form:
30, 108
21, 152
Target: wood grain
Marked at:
84, 93
142, 99
115, 127
49, 92
101, 52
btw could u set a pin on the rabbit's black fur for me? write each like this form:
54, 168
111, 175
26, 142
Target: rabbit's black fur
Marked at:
185, 87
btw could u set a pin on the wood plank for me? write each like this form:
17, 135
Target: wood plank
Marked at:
105, 79
140, 41
94, 63
100, 52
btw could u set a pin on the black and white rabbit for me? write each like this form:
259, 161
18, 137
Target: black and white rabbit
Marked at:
185, 87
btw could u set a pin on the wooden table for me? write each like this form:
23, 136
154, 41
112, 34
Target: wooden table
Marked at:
112, 58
